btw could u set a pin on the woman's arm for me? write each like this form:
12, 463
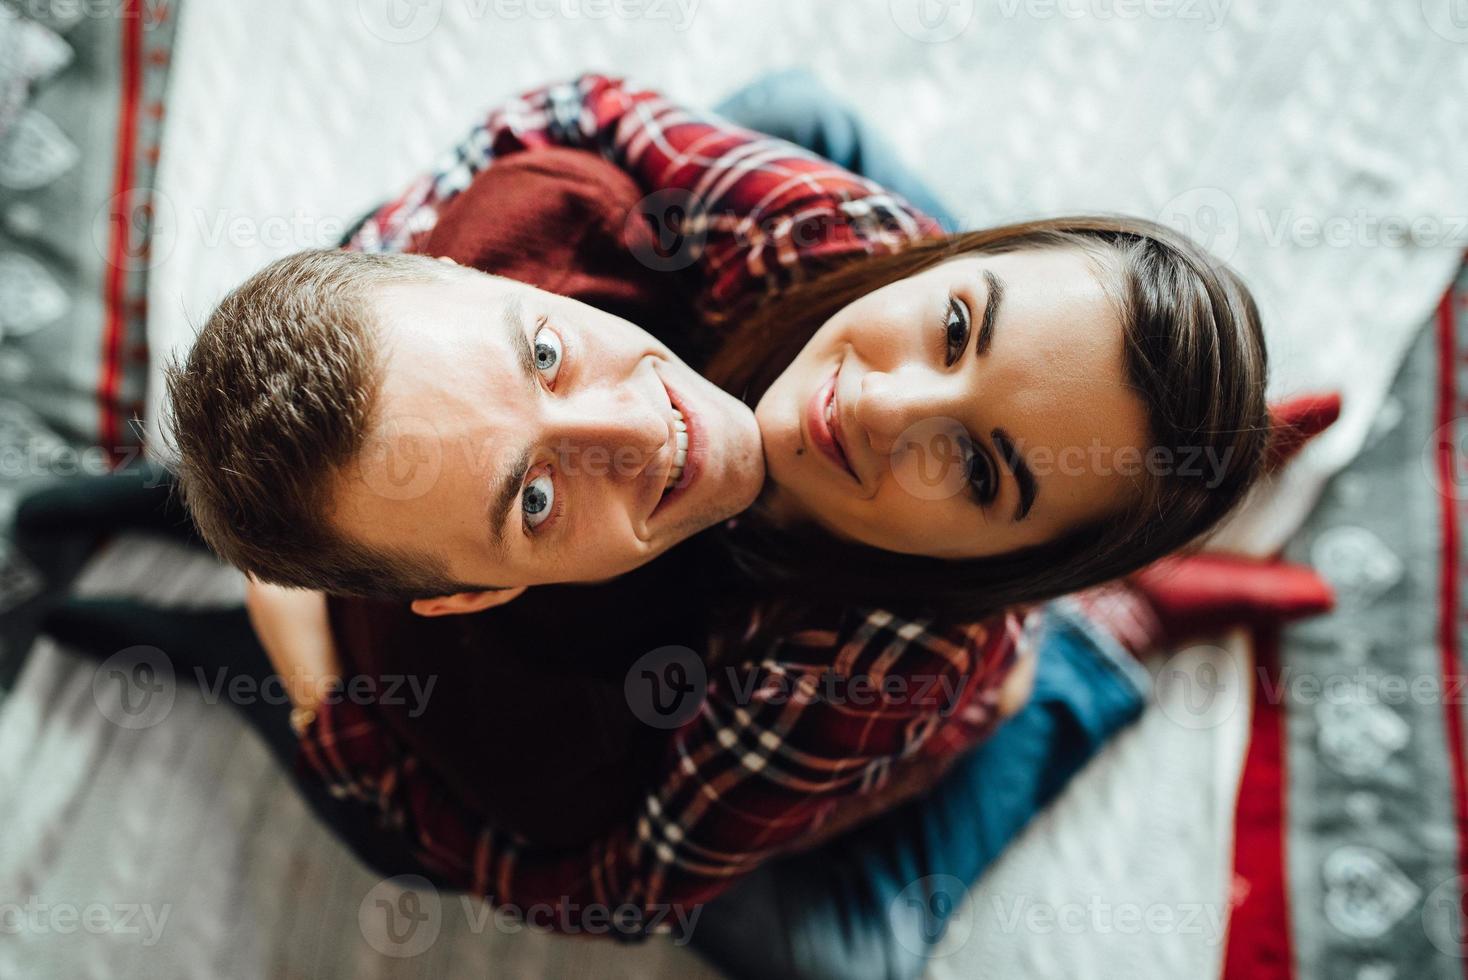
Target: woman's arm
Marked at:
292, 626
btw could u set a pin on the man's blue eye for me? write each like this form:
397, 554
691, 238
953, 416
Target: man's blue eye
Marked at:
536, 499
547, 348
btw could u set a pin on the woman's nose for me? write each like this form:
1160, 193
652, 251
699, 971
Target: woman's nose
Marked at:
610, 431
889, 405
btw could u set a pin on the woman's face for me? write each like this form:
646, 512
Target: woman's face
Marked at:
966, 411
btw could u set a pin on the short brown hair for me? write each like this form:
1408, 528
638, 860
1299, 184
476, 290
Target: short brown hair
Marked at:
275, 398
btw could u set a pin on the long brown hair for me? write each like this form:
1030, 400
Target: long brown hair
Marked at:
1194, 354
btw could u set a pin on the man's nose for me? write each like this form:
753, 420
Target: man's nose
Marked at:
622, 428
890, 404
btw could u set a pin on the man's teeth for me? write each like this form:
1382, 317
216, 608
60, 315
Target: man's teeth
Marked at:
680, 455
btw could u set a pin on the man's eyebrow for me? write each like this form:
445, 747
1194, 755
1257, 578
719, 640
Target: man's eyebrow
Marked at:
507, 488
1024, 477
513, 322
508, 484
994, 295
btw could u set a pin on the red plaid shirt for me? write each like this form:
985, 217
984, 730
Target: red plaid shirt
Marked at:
796, 726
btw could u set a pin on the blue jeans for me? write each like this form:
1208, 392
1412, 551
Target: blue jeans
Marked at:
875, 902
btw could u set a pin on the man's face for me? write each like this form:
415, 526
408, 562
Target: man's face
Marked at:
526, 438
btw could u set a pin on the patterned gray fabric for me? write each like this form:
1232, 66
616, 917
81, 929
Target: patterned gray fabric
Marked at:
29, 53
1372, 836
81, 110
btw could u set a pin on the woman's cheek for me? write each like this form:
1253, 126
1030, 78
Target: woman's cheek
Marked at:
907, 524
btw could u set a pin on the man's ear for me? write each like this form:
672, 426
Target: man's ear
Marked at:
464, 602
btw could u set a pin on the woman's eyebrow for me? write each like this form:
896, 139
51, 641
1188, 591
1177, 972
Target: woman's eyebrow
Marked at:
994, 295
1024, 477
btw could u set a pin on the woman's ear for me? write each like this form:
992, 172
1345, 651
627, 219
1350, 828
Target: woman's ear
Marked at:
464, 602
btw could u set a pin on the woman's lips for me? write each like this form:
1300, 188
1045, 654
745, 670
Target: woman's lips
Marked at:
826, 436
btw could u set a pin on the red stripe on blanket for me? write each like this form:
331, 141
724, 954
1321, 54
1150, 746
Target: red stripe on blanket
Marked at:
120, 228
1259, 925
1447, 339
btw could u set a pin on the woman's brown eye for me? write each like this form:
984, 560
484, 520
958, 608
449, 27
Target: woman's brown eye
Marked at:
955, 331
983, 478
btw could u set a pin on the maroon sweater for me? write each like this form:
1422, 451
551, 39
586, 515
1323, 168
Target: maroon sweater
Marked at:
527, 719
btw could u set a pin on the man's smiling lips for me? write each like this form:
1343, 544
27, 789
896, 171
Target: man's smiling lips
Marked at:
693, 462
823, 426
